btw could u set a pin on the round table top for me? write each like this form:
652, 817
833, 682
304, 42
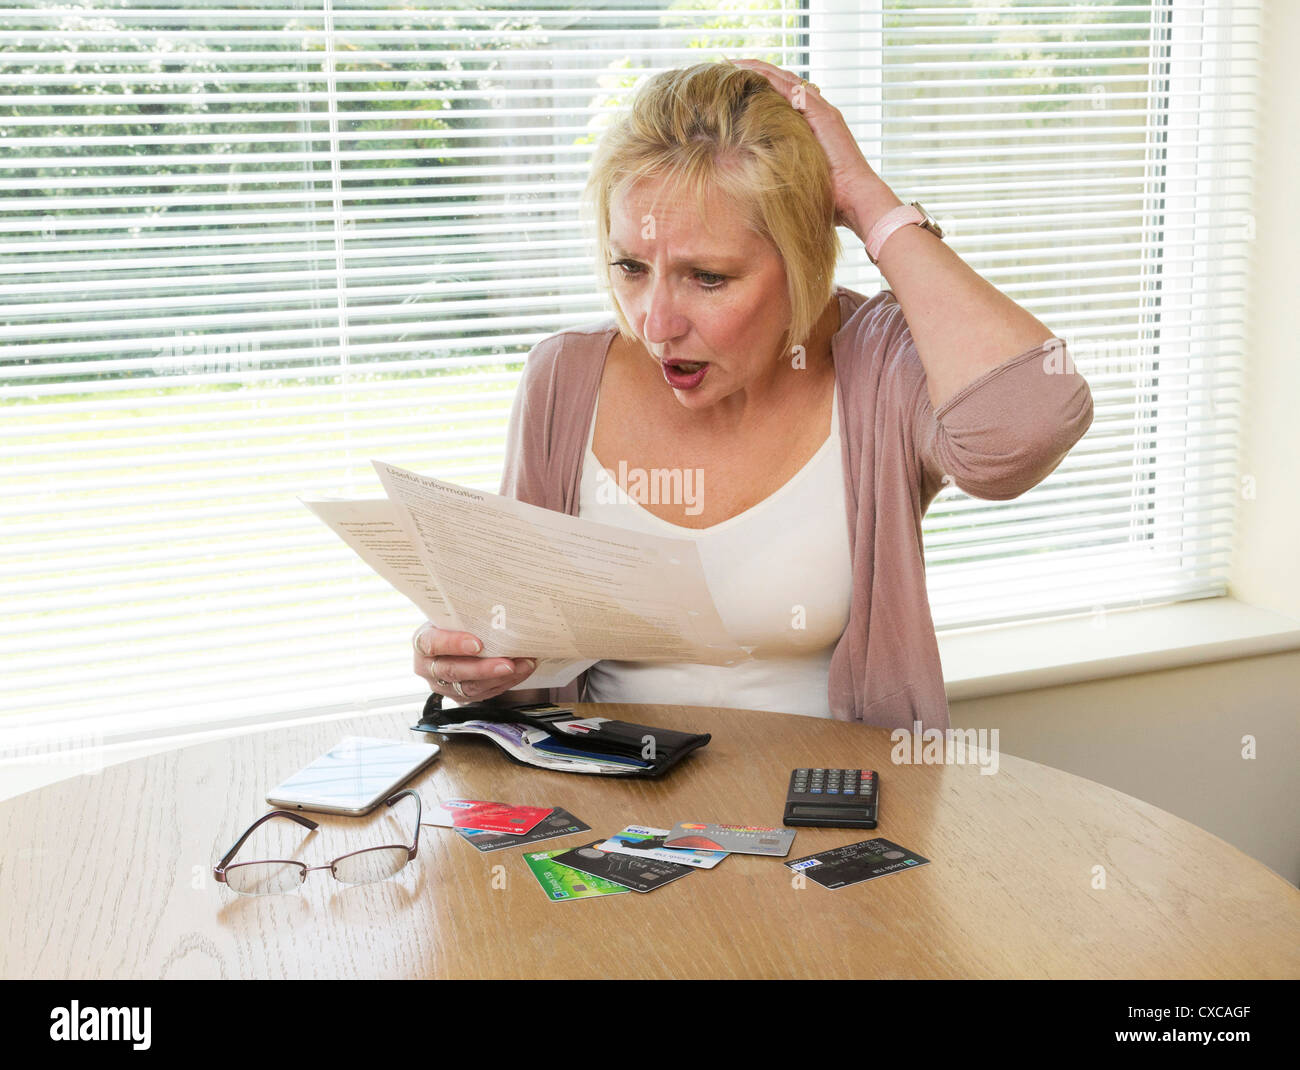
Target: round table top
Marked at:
1033, 872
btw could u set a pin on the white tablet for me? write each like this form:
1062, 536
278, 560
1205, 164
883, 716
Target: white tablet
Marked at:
354, 776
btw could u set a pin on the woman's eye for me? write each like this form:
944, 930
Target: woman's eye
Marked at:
707, 279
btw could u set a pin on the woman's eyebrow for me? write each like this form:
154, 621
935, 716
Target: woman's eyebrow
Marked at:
688, 261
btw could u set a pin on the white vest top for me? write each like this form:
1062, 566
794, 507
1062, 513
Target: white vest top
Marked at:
781, 576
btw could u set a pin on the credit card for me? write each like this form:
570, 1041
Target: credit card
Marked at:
856, 863
639, 874
486, 816
738, 839
560, 823
563, 750
642, 842
561, 883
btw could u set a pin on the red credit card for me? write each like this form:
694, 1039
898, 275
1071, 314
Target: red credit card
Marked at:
486, 816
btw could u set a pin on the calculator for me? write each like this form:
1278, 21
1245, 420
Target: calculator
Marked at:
833, 798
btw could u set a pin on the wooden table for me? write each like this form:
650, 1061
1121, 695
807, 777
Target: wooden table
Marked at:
109, 876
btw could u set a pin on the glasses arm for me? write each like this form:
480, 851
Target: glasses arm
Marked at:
307, 823
419, 813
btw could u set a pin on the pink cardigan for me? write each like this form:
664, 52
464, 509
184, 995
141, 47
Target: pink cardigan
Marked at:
996, 438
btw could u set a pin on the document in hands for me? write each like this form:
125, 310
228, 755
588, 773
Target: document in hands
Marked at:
532, 582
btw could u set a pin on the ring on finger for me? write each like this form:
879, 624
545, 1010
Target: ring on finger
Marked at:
455, 684
449, 683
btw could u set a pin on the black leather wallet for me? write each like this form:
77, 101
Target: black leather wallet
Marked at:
662, 748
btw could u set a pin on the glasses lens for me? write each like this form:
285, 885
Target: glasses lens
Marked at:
264, 878
373, 865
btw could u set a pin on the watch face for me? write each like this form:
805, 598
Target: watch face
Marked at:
928, 223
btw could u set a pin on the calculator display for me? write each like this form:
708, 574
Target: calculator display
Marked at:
824, 811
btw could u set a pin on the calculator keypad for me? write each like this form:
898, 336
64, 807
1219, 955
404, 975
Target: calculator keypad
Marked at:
833, 781
857, 789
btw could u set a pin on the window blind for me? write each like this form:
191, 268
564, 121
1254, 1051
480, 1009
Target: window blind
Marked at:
244, 251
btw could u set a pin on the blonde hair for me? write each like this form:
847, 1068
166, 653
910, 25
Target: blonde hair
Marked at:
717, 127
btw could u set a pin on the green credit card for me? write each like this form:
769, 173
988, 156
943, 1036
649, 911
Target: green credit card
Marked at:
561, 882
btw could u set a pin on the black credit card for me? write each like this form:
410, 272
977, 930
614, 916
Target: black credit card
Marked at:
858, 862
639, 874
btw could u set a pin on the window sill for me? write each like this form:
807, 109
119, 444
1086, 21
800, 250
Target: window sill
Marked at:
1000, 659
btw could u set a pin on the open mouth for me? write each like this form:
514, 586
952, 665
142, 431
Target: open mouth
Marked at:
684, 374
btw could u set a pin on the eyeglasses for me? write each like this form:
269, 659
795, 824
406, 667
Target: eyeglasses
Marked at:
272, 876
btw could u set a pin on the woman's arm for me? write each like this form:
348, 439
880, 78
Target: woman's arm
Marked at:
962, 325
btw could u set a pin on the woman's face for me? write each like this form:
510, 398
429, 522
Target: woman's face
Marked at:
697, 291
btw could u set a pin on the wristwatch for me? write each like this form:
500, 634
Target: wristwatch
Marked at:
895, 218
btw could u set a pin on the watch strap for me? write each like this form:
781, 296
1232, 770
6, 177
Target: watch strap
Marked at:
902, 216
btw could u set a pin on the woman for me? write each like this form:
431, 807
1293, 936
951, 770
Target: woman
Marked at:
785, 403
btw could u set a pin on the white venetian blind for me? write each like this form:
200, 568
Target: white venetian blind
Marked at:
245, 250
1094, 162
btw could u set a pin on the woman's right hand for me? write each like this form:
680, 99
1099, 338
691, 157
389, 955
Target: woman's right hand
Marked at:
446, 658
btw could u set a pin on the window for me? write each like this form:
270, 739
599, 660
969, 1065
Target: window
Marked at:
246, 250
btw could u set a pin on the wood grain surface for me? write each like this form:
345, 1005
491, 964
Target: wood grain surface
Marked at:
109, 875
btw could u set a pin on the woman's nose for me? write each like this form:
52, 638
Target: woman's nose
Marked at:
662, 322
